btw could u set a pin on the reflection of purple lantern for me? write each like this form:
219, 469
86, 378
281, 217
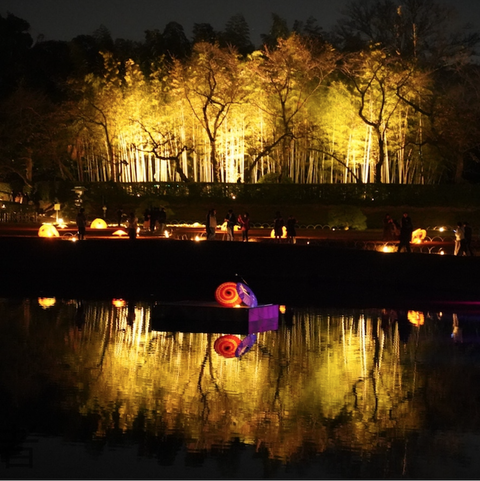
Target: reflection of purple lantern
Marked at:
246, 295
245, 345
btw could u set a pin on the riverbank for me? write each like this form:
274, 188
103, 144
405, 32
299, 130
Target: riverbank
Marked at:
170, 270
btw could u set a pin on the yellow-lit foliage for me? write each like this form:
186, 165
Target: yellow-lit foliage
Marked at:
219, 117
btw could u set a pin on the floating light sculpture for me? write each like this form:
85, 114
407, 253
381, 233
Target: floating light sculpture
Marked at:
246, 295
48, 230
227, 295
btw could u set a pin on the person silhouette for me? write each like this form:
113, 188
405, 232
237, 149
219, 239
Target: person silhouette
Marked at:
81, 221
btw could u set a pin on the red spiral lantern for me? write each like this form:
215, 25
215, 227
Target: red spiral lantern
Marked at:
227, 295
227, 345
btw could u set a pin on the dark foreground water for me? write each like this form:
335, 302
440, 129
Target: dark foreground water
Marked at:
90, 390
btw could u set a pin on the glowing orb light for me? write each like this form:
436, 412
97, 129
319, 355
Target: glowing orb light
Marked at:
227, 345
48, 230
46, 302
119, 303
416, 318
418, 236
282, 309
227, 295
98, 224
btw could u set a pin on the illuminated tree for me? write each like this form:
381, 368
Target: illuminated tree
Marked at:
287, 78
377, 77
211, 84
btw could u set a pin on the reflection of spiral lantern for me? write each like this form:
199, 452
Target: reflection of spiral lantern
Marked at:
227, 345
416, 318
227, 295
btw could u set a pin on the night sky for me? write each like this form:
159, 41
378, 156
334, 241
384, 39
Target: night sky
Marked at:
65, 19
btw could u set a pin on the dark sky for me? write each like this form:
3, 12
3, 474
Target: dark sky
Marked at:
65, 19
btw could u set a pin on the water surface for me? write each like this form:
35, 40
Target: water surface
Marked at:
89, 389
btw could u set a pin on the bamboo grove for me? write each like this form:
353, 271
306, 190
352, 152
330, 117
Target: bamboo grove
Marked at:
283, 112
299, 109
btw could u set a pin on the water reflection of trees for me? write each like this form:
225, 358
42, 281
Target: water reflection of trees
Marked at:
343, 380
325, 378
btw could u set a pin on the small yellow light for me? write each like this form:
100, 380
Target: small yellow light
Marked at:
119, 303
46, 302
282, 309
119, 233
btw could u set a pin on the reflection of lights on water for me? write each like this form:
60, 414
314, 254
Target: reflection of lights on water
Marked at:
416, 318
46, 302
119, 303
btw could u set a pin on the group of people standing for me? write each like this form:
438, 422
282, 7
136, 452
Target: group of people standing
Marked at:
243, 220
155, 220
403, 233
